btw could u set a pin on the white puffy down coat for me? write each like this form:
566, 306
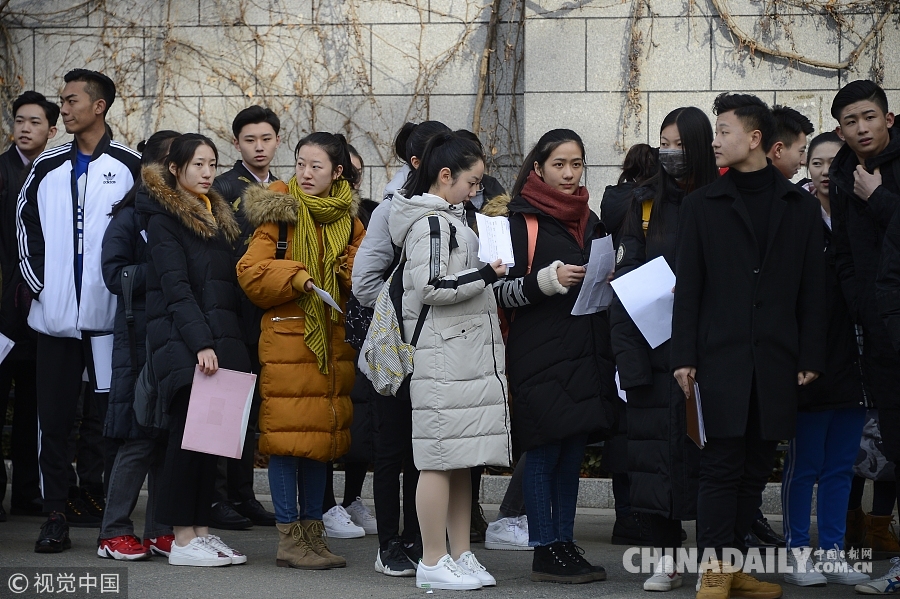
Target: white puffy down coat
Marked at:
458, 387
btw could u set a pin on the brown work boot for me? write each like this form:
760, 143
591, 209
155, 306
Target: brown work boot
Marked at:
715, 583
855, 534
295, 550
880, 537
315, 531
744, 585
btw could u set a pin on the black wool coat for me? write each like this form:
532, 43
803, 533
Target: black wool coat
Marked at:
841, 385
663, 463
193, 298
16, 296
746, 324
560, 367
859, 238
124, 245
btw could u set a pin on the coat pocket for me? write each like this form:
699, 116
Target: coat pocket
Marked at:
463, 350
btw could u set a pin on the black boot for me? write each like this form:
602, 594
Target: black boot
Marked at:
576, 556
551, 563
764, 532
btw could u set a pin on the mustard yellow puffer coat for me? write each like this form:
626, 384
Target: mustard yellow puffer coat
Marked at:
304, 413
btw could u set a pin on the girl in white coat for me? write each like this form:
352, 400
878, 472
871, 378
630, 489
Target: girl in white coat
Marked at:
458, 386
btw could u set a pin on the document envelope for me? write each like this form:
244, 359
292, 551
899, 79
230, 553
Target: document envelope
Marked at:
218, 412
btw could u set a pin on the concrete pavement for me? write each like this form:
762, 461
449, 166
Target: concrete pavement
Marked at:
155, 579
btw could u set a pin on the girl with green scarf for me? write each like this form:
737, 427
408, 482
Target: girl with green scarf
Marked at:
306, 237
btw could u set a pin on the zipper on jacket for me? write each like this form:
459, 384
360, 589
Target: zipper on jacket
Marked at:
331, 384
281, 318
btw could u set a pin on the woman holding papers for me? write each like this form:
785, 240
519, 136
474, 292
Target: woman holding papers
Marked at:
662, 461
458, 387
299, 258
560, 366
192, 319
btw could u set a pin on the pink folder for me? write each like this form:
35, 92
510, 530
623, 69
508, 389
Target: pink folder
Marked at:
218, 412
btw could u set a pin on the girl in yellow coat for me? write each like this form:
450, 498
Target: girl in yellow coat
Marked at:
307, 369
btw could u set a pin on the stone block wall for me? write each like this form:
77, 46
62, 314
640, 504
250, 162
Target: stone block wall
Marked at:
363, 67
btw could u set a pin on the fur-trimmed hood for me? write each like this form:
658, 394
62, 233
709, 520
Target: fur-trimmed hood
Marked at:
497, 206
188, 209
274, 204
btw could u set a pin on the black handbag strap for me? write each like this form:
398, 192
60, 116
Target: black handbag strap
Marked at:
281, 244
127, 301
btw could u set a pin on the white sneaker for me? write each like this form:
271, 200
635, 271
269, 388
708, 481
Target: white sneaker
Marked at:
664, 578
445, 575
362, 517
197, 553
219, 545
508, 534
338, 524
803, 572
837, 570
470, 564
889, 583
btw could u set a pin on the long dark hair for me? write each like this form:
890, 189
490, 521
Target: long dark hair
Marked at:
446, 150
338, 150
182, 151
696, 135
412, 139
153, 151
639, 165
541, 151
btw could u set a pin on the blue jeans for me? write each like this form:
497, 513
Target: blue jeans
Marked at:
824, 449
296, 480
551, 490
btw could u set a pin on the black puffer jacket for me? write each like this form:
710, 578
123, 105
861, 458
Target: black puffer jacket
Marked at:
124, 245
614, 207
193, 299
840, 386
560, 367
859, 232
663, 463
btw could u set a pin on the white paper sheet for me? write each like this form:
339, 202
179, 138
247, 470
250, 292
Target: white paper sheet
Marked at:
101, 350
326, 297
494, 240
6, 345
596, 294
646, 294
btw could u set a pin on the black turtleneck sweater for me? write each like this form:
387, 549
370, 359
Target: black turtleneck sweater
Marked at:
757, 189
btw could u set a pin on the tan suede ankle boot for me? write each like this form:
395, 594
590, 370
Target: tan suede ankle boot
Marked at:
295, 550
855, 534
315, 531
880, 537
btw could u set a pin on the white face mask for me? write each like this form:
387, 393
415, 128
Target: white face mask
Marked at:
673, 162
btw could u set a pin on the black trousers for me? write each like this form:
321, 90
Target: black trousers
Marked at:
733, 475
393, 454
188, 478
234, 478
60, 364
24, 441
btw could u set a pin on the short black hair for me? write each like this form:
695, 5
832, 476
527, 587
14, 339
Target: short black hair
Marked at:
858, 91
252, 116
33, 97
99, 86
752, 112
789, 125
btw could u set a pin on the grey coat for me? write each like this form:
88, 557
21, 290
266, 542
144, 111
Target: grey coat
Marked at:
458, 387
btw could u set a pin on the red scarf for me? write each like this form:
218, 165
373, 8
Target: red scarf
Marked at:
571, 209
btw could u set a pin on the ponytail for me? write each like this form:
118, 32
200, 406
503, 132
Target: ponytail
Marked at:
444, 150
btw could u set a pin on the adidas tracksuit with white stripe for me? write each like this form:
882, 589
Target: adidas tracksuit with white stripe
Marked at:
60, 222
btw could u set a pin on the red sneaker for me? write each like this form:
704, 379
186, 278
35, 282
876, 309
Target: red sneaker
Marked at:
126, 547
160, 545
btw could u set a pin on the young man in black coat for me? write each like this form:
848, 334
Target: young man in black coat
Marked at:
748, 325
256, 137
34, 126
